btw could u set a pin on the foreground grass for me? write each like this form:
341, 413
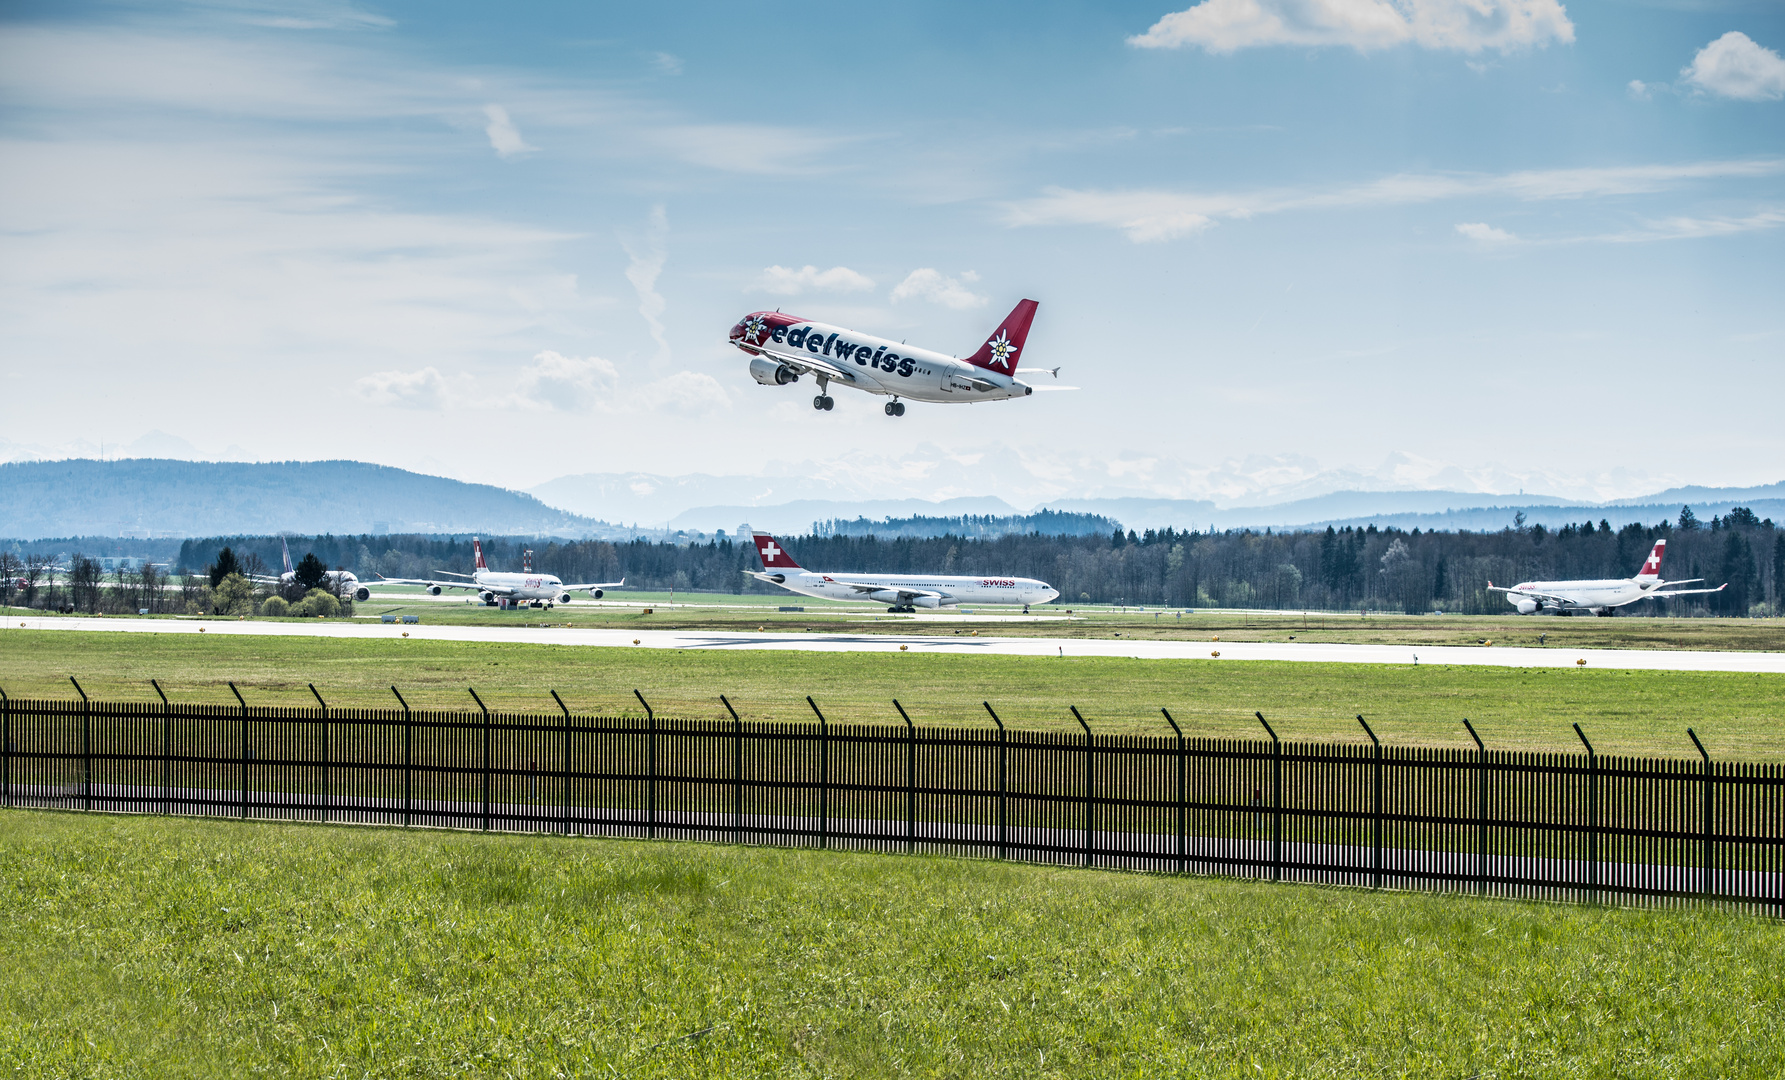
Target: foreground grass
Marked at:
1738, 715
145, 947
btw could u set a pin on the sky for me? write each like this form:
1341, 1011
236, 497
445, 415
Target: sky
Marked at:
1280, 246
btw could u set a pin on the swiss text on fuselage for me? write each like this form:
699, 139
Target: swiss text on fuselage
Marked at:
802, 337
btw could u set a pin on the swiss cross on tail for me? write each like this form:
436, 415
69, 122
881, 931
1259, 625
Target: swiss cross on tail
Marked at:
477, 548
1651, 567
774, 556
999, 351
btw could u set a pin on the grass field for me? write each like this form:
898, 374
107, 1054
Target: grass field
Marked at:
147, 947
1740, 716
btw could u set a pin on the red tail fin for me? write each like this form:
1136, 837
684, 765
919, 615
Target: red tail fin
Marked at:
999, 351
477, 549
1651, 567
774, 557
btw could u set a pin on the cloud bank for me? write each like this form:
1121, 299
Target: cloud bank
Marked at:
1470, 26
932, 285
1736, 66
782, 281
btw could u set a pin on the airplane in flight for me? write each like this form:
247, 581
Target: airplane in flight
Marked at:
1598, 597
784, 347
526, 587
341, 582
904, 592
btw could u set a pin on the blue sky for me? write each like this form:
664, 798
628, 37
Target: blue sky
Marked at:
1280, 245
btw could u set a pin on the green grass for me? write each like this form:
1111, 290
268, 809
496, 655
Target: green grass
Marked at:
145, 947
1740, 716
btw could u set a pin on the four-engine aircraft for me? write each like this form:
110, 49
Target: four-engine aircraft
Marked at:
341, 582
526, 587
784, 347
903, 592
1598, 597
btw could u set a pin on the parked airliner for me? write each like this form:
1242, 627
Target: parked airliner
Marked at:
784, 347
1598, 597
341, 582
904, 592
526, 587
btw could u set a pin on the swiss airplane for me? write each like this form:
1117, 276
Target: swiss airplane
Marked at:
904, 592
1598, 597
784, 347
526, 587
344, 582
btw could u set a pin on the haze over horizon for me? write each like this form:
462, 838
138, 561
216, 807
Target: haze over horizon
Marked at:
1408, 247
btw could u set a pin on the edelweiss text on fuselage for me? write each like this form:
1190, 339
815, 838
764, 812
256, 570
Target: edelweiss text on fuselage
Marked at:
783, 348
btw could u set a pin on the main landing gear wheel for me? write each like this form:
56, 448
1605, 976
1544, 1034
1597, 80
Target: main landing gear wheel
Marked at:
895, 408
824, 403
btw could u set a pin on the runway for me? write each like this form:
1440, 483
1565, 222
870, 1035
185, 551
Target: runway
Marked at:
1211, 652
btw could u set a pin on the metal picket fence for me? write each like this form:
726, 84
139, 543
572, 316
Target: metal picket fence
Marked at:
1583, 826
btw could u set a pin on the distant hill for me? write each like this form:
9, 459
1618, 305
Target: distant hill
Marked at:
161, 497
975, 526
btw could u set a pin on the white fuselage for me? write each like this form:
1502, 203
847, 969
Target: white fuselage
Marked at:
1594, 595
881, 366
519, 586
889, 588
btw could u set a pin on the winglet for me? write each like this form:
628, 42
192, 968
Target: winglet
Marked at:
774, 556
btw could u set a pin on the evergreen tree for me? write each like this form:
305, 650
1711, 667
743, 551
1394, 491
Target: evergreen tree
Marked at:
226, 564
1688, 520
1738, 570
310, 573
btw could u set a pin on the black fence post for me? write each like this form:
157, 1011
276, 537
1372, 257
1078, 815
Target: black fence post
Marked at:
1707, 775
1592, 817
910, 780
408, 760
1376, 812
1090, 822
1276, 800
86, 747
1003, 830
1179, 733
824, 776
325, 750
6, 734
651, 722
244, 748
486, 757
737, 772
1481, 844
564, 782
167, 746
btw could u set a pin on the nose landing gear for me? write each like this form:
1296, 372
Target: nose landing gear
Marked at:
895, 408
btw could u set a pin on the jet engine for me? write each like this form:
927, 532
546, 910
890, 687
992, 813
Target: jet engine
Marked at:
596, 593
893, 596
433, 590
362, 593
771, 372
565, 599
1526, 607
487, 597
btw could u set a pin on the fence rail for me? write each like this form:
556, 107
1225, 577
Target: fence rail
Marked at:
1584, 826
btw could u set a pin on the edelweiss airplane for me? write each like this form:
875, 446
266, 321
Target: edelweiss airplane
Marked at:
1599, 597
343, 582
526, 587
905, 592
784, 347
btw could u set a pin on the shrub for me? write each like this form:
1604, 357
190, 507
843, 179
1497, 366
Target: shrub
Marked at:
317, 602
275, 606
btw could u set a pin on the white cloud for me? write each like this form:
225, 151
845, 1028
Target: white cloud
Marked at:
1164, 215
686, 393
1222, 26
785, 282
505, 138
424, 389
668, 63
1638, 89
932, 285
567, 384
1486, 234
1736, 66
648, 256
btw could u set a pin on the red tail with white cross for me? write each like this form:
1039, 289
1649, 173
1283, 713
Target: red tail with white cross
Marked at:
774, 557
477, 549
1651, 568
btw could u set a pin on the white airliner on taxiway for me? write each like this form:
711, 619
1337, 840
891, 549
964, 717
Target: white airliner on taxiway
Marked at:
904, 592
1598, 597
525, 587
784, 347
341, 582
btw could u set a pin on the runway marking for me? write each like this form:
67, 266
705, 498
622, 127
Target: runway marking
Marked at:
1231, 651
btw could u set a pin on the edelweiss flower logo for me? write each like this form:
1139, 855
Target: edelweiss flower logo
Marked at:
754, 327
1002, 350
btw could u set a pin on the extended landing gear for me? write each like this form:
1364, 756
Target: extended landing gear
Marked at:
824, 403
895, 408
901, 610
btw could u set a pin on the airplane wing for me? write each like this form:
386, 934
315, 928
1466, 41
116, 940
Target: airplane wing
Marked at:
595, 585
1559, 601
429, 583
904, 594
814, 366
1691, 592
